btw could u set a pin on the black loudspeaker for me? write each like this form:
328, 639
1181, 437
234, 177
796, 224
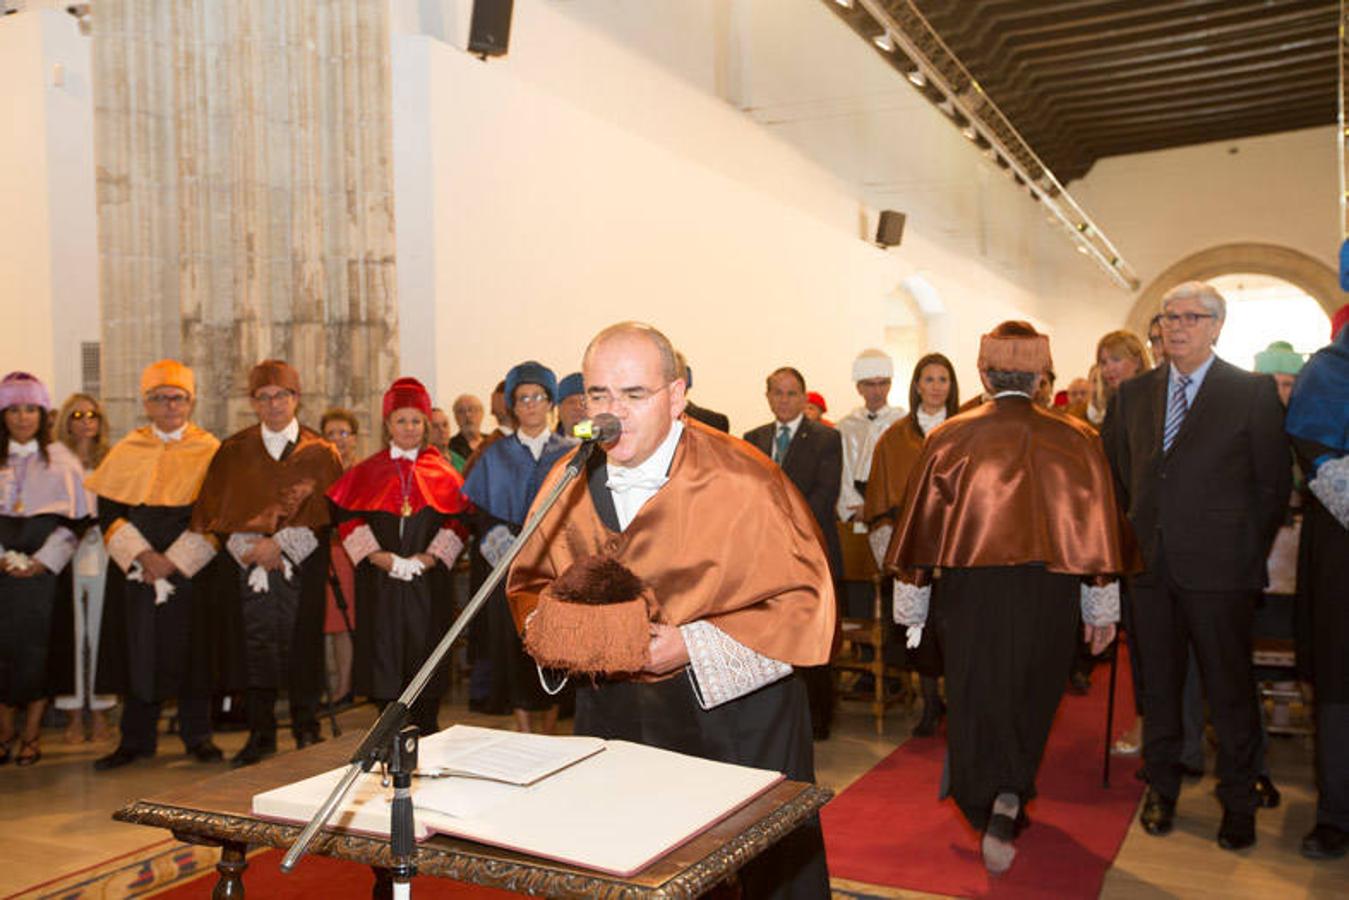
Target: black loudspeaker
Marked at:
489, 28
890, 229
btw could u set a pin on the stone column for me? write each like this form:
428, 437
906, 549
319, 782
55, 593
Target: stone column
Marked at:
245, 198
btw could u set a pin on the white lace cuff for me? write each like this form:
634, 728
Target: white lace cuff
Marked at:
296, 542
911, 602
360, 544
1100, 605
445, 546
125, 543
1331, 487
239, 543
57, 549
879, 538
190, 552
495, 543
723, 669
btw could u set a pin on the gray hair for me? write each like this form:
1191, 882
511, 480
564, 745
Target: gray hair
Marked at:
1002, 380
670, 367
1202, 291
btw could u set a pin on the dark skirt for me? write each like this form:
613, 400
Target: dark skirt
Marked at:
1009, 635
26, 611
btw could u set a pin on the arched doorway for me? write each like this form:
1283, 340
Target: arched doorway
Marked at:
1314, 277
1262, 309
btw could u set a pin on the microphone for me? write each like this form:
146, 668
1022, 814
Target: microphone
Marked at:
603, 429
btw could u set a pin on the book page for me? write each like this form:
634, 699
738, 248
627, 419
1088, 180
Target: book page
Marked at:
507, 756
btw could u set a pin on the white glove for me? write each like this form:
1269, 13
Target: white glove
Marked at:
1331, 487
879, 538
17, 560
913, 636
495, 543
257, 579
406, 569
163, 587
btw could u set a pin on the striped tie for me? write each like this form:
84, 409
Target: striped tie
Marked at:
1175, 412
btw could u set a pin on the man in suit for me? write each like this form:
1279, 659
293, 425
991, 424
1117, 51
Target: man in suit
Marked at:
709, 417
811, 455
1198, 449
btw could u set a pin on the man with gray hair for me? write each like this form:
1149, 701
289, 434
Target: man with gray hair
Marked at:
1201, 461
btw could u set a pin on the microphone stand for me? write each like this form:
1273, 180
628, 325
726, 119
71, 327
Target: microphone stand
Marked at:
381, 742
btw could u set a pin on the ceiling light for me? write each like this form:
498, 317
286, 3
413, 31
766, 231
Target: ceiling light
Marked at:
846, 4
884, 42
969, 132
917, 78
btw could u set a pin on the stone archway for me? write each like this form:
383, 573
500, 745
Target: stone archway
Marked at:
1293, 266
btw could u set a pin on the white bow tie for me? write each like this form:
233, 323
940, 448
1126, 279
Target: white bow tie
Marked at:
399, 453
27, 448
621, 480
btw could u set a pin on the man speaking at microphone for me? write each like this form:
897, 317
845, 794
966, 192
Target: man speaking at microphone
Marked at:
731, 564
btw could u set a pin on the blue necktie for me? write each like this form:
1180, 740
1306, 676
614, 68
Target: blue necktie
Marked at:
1175, 412
780, 449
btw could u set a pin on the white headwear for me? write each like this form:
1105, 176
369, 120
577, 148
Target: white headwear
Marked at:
872, 364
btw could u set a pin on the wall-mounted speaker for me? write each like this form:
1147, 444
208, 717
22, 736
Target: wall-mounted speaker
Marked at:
489, 29
890, 228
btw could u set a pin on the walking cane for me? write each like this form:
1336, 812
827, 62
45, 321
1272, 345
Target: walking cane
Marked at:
1110, 709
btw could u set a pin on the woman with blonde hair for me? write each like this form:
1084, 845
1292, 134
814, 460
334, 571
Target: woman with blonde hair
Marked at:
73, 662
1120, 355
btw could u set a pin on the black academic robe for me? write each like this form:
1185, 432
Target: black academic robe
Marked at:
398, 623
1322, 604
150, 652
31, 604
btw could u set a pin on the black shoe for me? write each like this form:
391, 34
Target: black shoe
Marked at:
1266, 794
1079, 683
118, 758
206, 752
1237, 832
1159, 814
308, 737
932, 713
1191, 772
1325, 842
1141, 773
257, 749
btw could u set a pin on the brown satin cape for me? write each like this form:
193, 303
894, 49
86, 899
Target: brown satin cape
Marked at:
728, 540
246, 490
142, 470
1010, 483
895, 455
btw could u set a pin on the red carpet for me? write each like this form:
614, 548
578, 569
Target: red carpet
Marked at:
331, 879
890, 829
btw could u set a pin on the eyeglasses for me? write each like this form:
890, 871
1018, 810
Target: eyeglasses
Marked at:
533, 399
169, 399
273, 397
81, 414
1190, 319
333, 434
630, 396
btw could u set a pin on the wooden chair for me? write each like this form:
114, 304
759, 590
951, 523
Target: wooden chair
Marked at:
862, 634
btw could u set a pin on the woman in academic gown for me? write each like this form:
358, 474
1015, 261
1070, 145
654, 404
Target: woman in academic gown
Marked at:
398, 515
42, 506
934, 396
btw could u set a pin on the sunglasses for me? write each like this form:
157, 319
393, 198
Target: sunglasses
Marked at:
80, 414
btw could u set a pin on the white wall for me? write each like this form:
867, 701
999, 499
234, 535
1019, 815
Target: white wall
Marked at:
1276, 189
575, 183
48, 243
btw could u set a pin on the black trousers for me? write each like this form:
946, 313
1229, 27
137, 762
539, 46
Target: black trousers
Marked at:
1168, 619
140, 722
1332, 764
1009, 637
768, 729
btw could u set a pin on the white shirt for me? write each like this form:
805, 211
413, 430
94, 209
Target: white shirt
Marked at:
536, 443
169, 437
928, 421
633, 486
28, 448
860, 430
276, 441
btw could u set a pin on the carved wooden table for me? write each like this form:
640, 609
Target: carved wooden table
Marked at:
218, 812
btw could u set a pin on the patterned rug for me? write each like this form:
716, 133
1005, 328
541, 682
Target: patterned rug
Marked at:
139, 873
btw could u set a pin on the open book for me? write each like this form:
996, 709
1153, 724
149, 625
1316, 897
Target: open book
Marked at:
612, 806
